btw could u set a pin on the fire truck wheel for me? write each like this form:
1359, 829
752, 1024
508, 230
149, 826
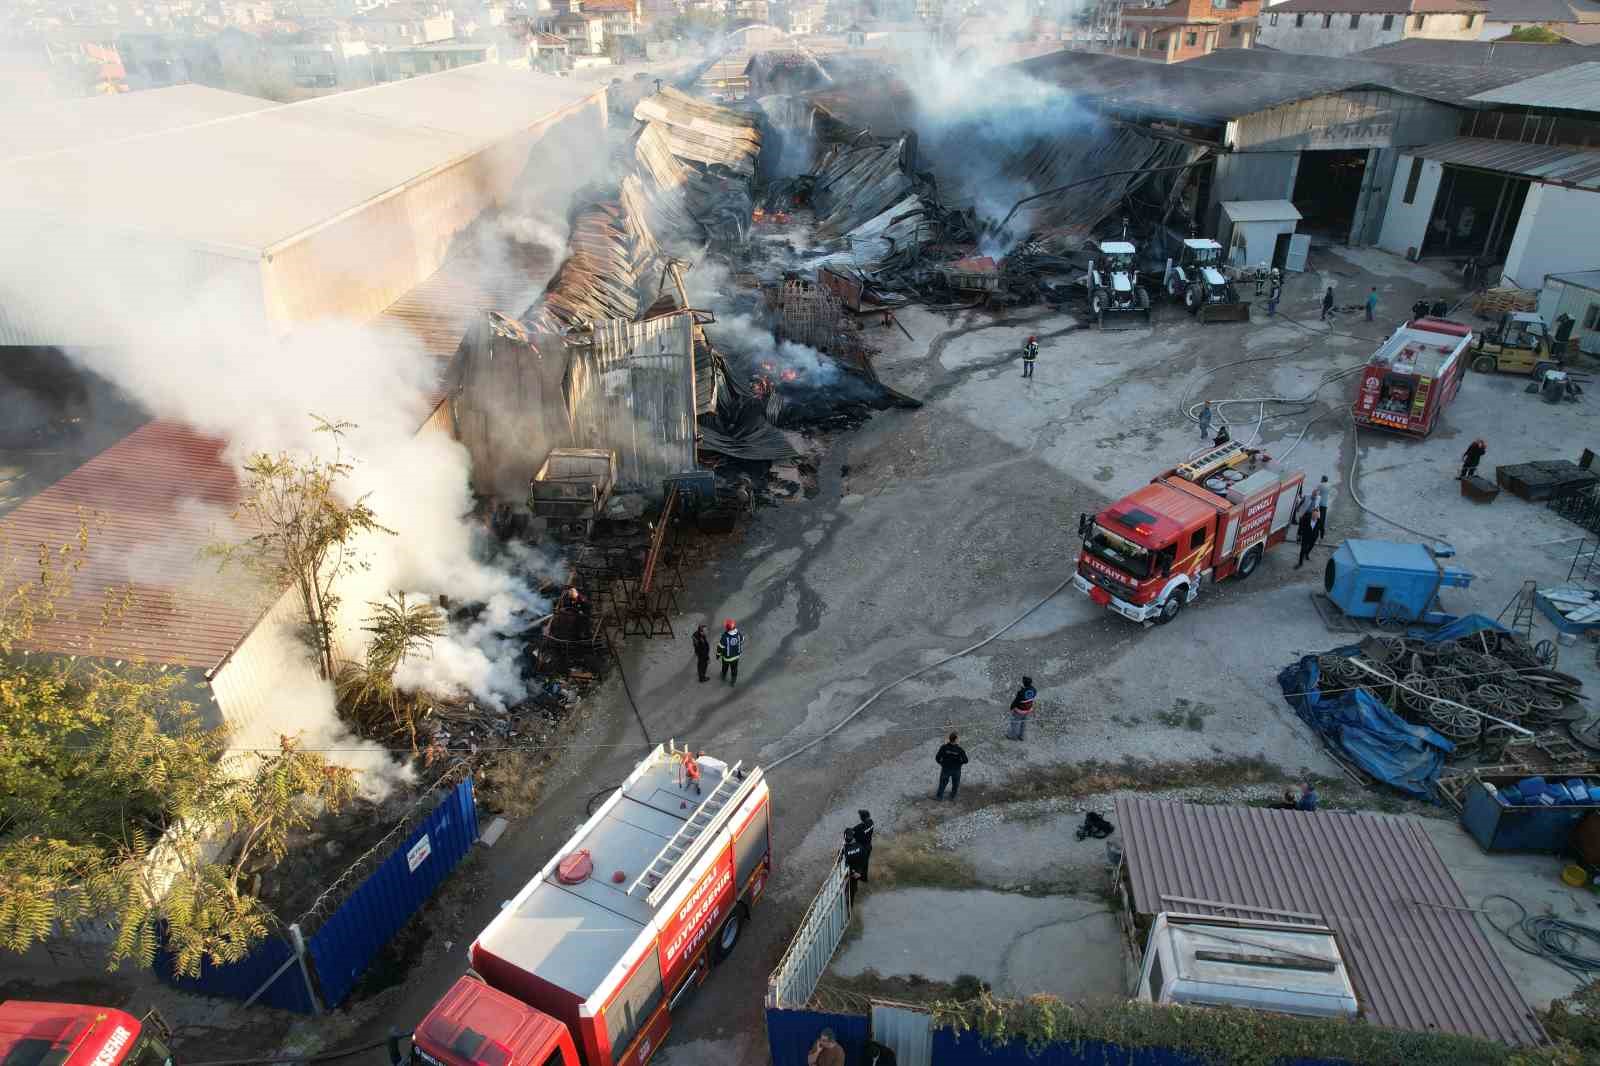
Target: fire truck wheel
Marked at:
728, 935
1484, 364
1248, 564
1170, 607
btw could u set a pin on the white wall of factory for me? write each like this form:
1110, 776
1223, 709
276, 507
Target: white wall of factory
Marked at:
358, 264
1266, 148
1327, 33
1405, 224
1558, 232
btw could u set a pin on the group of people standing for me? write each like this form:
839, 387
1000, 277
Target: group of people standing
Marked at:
1311, 518
729, 647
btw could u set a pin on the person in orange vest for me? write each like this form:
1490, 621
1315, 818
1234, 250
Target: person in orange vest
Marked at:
691, 771
1022, 709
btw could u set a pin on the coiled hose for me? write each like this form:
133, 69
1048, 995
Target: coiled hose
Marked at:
1553, 939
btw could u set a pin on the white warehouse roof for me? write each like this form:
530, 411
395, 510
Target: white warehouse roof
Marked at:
1261, 211
244, 183
63, 124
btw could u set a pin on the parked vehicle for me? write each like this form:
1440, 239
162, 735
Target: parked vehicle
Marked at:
69, 1034
1151, 552
1520, 344
1197, 279
1412, 377
1116, 299
591, 959
1258, 965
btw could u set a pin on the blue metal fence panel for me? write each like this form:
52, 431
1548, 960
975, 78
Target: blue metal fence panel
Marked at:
241, 979
347, 942
790, 1034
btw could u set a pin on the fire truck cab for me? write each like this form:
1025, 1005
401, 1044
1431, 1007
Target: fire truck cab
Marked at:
1151, 552
587, 964
68, 1034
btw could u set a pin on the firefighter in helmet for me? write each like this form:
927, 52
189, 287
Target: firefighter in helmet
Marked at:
729, 647
1030, 352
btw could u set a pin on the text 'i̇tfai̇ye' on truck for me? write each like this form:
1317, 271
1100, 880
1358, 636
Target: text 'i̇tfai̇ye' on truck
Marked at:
68, 1034
590, 960
1213, 517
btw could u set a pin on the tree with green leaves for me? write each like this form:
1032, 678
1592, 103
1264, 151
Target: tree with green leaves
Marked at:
305, 529
117, 804
398, 628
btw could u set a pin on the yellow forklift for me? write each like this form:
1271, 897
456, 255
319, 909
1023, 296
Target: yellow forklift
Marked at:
1520, 344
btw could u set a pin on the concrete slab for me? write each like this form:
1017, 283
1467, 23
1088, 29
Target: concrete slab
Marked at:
1021, 945
1533, 881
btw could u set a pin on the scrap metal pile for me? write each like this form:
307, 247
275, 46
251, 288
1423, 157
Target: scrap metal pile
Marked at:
1464, 689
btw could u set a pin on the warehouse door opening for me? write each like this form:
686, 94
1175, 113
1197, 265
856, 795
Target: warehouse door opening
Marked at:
1475, 214
1326, 189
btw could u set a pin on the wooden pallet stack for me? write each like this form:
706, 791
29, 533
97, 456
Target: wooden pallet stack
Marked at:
1492, 303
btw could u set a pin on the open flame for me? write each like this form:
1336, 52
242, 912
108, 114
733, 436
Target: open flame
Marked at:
777, 218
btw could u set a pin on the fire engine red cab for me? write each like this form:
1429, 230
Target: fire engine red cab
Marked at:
1412, 378
586, 965
1151, 552
67, 1034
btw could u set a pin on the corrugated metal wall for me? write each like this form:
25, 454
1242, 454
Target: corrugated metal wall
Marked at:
351, 938
633, 392
250, 682
1373, 118
821, 929
906, 1032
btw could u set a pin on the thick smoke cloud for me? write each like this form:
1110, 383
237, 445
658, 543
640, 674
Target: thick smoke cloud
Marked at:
194, 348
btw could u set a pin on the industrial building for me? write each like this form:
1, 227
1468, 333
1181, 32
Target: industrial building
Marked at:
1327, 134
421, 161
308, 237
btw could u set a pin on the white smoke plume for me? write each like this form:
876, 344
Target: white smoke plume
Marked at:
200, 354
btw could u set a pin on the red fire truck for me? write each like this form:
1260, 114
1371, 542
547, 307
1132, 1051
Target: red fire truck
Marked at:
1213, 517
588, 962
1412, 377
67, 1034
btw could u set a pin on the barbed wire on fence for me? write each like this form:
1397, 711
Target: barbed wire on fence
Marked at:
337, 890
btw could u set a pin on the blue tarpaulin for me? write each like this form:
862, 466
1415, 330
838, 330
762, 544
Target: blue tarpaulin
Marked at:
1394, 751
1464, 626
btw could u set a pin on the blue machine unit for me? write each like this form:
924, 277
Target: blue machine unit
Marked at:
1390, 580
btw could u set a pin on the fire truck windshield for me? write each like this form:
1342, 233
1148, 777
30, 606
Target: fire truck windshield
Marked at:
1120, 552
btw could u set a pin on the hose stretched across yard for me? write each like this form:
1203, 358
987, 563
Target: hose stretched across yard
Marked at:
1550, 938
870, 700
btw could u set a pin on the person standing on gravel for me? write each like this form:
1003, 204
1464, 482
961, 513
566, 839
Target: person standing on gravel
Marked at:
1205, 420
864, 830
1022, 709
702, 650
951, 758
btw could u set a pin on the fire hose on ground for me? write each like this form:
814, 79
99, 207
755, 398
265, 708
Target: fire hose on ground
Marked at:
1556, 940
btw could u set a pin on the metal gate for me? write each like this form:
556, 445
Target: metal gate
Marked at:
823, 926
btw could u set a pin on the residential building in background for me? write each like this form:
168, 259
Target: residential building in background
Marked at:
585, 33
1341, 27
1577, 21
414, 60
399, 24
1184, 29
552, 54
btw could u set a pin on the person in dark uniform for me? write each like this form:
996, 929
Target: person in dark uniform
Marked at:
1222, 437
1327, 304
1470, 457
951, 758
864, 829
702, 651
729, 647
1030, 352
1564, 324
854, 861
1310, 530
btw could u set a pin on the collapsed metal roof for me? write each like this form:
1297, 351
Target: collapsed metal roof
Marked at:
704, 133
1417, 957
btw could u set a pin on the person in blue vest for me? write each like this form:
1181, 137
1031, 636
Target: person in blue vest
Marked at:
729, 647
1022, 709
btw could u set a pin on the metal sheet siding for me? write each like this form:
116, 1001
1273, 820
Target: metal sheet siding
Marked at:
1574, 88
1553, 164
350, 938
1375, 879
908, 1033
240, 980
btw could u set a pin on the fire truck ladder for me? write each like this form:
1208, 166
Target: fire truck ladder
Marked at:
714, 811
1208, 463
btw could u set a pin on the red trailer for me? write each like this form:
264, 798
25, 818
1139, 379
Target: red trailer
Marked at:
591, 958
1411, 379
68, 1034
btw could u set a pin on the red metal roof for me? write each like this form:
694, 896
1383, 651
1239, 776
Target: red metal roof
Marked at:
1417, 956
150, 502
